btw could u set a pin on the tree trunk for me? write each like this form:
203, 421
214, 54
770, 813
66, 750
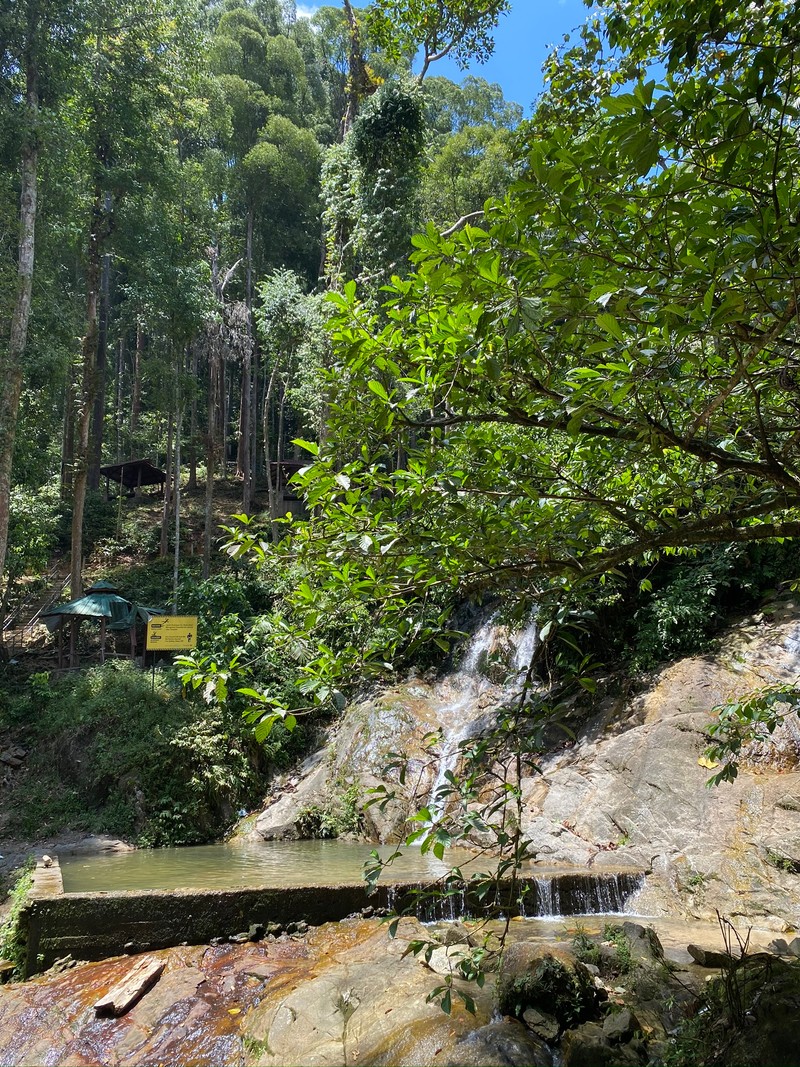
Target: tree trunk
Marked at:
192, 485
167, 493
211, 457
88, 393
225, 400
11, 366
177, 555
136, 382
272, 495
119, 372
68, 436
99, 410
247, 379
359, 82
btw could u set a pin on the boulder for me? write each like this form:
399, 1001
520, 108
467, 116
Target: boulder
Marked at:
619, 1026
588, 1046
709, 957
545, 1026
501, 1044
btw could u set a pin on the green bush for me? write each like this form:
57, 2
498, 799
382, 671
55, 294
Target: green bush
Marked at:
13, 939
341, 816
108, 753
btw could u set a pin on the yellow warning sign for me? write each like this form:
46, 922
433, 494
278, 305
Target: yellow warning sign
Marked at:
170, 632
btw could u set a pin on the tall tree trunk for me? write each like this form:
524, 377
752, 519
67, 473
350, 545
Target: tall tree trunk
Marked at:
359, 81
211, 459
177, 554
272, 495
88, 392
254, 425
225, 399
136, 382
192, 485
119, 372
247, 378
99, 410
11, 367
68, 436
167, 514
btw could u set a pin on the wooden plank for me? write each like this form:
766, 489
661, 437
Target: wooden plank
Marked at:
121, 998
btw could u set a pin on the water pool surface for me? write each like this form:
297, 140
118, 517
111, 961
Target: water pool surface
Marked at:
246, 864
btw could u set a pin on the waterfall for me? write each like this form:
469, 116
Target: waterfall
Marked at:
461, 692
573, 893
552, 895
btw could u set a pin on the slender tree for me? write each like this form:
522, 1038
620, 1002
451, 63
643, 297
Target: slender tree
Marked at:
12, 359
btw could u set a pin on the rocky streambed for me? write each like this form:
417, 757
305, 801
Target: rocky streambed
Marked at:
595, 991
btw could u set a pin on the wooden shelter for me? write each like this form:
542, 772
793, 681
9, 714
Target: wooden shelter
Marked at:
133, 475
102, 602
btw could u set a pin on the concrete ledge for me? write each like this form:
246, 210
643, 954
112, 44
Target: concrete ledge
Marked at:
94, 926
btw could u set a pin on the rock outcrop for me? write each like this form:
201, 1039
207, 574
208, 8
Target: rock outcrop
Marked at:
630, 791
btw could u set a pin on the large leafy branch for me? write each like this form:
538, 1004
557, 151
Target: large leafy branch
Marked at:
626, 322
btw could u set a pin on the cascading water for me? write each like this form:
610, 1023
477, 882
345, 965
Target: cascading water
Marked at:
463, 697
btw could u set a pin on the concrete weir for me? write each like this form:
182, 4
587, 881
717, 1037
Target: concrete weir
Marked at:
95, 926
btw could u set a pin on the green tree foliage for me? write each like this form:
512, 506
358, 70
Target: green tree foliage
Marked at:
174, 773
471, 154
370, 185
606, 370
459, 28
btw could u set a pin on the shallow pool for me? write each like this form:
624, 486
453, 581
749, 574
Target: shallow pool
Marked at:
238, 864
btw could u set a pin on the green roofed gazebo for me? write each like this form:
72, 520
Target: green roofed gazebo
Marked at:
101, 601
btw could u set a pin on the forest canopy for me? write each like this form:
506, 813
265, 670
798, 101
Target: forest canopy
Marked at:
521, 355
603, 369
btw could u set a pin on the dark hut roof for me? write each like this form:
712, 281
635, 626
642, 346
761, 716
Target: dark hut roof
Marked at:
134, 473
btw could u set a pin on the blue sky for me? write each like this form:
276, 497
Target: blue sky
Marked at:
522, 41
521, 45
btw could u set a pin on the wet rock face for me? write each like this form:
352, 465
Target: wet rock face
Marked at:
631, 790
192, 1015
361, 1002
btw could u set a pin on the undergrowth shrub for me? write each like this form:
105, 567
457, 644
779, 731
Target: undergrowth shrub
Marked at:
13, 937
568, 995
108, 753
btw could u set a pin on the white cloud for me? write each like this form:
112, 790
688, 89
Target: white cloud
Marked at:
306, 11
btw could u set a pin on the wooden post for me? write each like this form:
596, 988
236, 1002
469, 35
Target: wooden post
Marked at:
60, 642
103, 639
73, 641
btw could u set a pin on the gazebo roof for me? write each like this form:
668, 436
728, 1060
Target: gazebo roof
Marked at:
95, 604
134, 473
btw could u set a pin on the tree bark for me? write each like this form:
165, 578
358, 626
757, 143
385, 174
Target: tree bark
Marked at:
167, 493
80, 476
68, 436
119, 372
177, 554
136, 381
272, 495
11, 367
247, 379
211, 459
98, 412
192, 484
